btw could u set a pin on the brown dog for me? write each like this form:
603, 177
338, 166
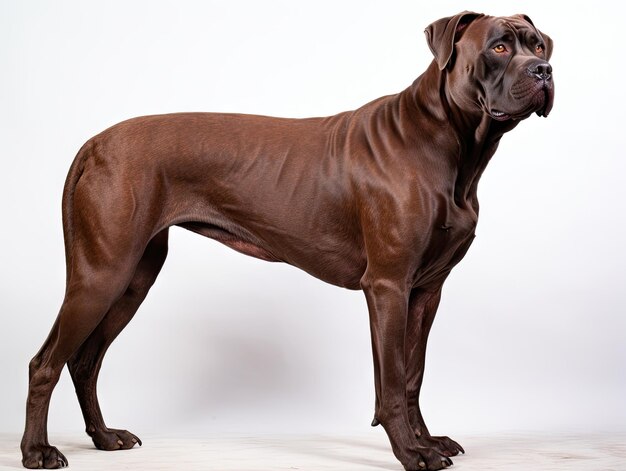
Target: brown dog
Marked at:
381, 199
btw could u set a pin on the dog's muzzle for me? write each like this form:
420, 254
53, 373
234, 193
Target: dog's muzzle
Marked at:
542, 73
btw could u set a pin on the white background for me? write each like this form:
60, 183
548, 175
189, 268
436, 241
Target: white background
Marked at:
530, 334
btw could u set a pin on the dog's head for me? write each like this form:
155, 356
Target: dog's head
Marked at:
498, 65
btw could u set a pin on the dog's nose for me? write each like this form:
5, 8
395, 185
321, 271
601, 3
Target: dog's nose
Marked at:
542, 70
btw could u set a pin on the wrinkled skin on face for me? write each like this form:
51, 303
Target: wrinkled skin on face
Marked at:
502, 69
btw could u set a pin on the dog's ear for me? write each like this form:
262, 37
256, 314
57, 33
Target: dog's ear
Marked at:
442, 34
549, 44
547, 40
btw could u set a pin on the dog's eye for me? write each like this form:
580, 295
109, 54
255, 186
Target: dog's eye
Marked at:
539, 49
500, 48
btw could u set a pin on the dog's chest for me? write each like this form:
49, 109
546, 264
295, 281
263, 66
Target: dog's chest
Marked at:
449, 237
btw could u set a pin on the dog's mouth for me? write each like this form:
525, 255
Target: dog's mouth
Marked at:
538, 95
535, 97
499, 115
548, 100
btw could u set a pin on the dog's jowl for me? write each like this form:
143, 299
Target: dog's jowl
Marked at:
382, 198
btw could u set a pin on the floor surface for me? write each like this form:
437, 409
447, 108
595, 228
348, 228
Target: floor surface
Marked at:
368, 452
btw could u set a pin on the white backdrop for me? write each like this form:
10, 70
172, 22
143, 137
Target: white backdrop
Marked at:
530, 333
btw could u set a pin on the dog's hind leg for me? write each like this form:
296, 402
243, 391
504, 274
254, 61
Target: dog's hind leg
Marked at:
87, 300
107, 233
85, 364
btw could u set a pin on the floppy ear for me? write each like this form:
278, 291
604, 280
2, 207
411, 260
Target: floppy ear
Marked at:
442, 34
547, 40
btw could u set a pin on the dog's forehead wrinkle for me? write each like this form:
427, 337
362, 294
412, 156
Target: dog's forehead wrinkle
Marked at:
518, 28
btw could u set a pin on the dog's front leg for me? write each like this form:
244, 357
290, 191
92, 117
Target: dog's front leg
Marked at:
423, 304
387, 302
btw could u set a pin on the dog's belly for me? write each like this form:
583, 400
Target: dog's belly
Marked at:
236, 242
338, 264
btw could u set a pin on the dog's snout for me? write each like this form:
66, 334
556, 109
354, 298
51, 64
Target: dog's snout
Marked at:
542, 70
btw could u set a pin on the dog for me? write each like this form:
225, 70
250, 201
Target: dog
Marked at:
382, 199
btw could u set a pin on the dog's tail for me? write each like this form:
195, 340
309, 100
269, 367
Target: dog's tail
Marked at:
67, 204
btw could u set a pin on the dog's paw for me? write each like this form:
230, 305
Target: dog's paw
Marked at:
43, 456
443, 445
429, 460
112, 439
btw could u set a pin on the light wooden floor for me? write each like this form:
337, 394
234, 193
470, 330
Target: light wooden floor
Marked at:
523, 452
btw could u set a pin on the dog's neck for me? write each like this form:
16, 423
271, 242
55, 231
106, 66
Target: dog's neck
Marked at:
477, 134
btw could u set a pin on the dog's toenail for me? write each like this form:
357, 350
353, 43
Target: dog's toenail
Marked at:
120, 442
